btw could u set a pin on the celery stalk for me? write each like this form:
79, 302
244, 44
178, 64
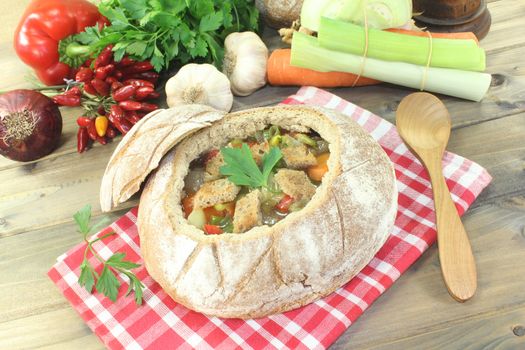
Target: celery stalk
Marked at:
446, 53
307, 53
380, 14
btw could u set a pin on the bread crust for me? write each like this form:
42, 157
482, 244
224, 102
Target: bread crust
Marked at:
273, 269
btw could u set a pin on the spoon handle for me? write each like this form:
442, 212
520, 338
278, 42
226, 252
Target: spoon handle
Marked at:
455, 254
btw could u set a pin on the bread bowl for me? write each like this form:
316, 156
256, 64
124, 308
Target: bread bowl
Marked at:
267, 269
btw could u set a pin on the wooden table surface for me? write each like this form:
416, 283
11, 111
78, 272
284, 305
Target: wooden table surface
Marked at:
37, 201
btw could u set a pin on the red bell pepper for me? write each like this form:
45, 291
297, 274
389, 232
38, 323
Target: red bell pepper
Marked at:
43, 25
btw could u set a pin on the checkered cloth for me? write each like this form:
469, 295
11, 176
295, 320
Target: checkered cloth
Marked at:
161, 323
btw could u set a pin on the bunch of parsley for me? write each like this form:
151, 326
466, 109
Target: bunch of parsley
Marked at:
167, 31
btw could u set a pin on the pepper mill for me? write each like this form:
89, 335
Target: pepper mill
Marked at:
453, 16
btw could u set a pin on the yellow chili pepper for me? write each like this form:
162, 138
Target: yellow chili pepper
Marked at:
101, 124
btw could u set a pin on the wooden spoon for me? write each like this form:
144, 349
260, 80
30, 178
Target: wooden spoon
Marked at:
424, 124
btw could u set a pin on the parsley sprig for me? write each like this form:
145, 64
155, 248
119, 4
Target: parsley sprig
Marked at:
241, 169
106, 282
163, 31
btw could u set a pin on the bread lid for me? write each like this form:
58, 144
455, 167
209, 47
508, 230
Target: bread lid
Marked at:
141, 149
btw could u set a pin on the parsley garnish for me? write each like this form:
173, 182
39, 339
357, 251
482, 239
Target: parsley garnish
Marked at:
241, 169
163, 31
106, 282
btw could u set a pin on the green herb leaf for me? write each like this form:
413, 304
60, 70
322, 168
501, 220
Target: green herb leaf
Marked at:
108, 284
241, 169
82, 218
211, 22
87, 275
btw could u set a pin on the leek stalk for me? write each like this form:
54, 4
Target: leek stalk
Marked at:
307, 53
381, 14
446, 53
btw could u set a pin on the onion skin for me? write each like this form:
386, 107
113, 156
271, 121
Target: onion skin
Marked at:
30, 125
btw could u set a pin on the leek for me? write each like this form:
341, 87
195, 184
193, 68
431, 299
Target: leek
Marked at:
446, 53
380, 14
307, 53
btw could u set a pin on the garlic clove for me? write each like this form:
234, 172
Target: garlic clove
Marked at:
199, 84
245, 59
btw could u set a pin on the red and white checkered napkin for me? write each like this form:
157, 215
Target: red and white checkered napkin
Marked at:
161, 323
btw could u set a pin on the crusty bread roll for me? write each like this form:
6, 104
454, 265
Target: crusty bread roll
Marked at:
267, 270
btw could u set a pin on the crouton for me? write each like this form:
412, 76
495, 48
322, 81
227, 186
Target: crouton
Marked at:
258, 150
247, 212
215, 192
298, 156
295, 183
213, 167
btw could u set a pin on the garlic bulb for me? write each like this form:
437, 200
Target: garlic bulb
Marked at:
199, 84
245, 57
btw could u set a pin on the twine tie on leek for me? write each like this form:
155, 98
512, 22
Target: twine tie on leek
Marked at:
365, 52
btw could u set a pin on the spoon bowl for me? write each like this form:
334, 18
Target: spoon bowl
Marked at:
427, 126
424, 124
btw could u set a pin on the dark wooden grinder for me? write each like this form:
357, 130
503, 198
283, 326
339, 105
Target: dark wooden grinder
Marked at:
453, 16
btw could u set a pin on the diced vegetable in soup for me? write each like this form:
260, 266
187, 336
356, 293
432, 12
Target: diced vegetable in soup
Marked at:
254, 181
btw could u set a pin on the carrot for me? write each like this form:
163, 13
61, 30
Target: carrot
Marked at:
316, 172
459, 35
280, 72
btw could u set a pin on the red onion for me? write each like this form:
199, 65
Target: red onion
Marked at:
30, 125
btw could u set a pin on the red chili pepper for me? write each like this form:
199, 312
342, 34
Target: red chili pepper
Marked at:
104, 57
84, 75
111, 132
143, 92
124, 93
100, 86
138, 67
212, 229
148, 107
123, 125
115, 113
111, 79
43, 25
102, 140
118, 74
129, 105
83, 121
284, 204
82, 140
101, 110
88, 63
139, 83
74, 91
92, 130
103, 72
154, 95
132, 117
116, 85
126, 62
149, 76
88, 88
67, 100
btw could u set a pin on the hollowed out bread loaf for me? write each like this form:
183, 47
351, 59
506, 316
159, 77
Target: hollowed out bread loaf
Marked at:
268, 270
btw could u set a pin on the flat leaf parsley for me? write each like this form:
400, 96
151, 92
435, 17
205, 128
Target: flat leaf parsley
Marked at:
106, 282
241, 168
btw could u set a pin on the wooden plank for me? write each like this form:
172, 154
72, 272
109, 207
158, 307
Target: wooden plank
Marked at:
418, 302
499, 331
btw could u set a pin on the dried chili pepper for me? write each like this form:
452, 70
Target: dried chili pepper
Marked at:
82, 139
138, 83
124, 93
148, 107
129, 105
92, 130
67, 100
105, 57
83, 122
103, 72
84, 75
100, 86
143, 92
